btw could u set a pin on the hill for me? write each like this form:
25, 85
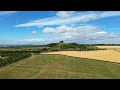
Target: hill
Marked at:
71, 46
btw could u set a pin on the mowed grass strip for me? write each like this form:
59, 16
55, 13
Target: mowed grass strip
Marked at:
60, 67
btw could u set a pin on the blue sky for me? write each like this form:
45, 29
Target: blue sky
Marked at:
43, 27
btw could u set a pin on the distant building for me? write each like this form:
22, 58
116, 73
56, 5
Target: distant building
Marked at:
61, 41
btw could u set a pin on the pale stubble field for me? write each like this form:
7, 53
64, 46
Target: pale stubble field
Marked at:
106, 55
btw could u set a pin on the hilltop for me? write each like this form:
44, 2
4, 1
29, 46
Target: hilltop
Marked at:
71, 46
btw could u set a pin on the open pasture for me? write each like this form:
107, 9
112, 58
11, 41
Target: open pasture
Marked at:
60, 67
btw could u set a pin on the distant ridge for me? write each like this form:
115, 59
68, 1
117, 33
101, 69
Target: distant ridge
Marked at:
53, 44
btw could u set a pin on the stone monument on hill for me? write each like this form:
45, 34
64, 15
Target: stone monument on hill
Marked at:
61, 41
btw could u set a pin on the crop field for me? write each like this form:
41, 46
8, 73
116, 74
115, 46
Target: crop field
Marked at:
60, 67
106, 55
109, 47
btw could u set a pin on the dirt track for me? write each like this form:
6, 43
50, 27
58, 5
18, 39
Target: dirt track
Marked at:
106, 55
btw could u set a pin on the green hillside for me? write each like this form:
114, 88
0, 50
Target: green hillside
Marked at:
71, 46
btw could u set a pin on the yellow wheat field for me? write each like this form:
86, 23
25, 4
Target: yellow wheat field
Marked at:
109, 47
106, 55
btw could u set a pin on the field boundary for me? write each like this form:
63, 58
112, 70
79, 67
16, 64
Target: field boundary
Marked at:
85, 58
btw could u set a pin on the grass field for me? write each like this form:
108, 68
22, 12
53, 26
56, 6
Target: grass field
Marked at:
60, 67
23, 48
106, 55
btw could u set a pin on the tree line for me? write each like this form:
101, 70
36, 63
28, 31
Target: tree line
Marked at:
11, 57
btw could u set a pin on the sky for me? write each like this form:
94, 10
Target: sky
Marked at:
44, 27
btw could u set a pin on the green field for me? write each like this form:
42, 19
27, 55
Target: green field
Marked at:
59, 67
23, 48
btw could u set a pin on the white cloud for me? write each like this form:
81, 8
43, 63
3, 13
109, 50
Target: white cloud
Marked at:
109, 14
64, 14
34, 32
79, 38
86, 29
75, 18
84, 34
6, 12
34, 40
89, 17
62, 29
81, 32
58, 30
69, 37
101, 33
48, 30
87, 34
75, 33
